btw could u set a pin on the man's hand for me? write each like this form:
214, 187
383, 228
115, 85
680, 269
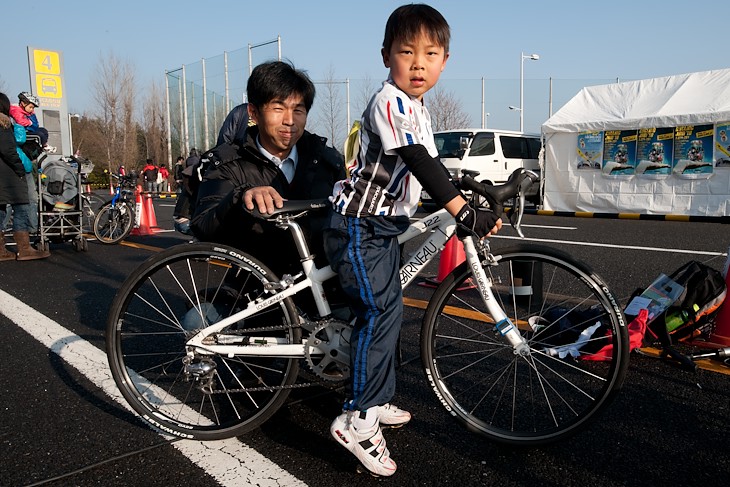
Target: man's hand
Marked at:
481, 222
264, 198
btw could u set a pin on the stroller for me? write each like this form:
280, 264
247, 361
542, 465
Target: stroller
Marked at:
60, 202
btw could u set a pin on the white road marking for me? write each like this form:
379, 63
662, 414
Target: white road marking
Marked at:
230, 462
613, 246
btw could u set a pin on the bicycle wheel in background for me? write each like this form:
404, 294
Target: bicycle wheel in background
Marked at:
555, 390
113, 224
91, 203
202, 395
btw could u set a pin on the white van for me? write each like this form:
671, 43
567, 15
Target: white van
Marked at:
495, 154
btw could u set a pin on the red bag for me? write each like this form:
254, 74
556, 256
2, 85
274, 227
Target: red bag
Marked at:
637, 328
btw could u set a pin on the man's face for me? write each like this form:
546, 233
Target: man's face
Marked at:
281, 124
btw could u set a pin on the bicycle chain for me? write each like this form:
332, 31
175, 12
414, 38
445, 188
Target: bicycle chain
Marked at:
261, 389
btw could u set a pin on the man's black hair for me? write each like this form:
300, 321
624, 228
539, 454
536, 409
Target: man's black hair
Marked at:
409, 21
278, 80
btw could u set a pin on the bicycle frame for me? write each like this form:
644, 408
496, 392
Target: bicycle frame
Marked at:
441, 225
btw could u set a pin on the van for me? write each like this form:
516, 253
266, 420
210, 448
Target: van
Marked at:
495, 154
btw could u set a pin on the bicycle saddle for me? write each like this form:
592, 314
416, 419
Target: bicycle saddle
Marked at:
294, 206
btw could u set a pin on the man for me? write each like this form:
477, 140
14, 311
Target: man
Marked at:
278, 160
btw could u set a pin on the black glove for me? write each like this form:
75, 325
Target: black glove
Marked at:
479, 222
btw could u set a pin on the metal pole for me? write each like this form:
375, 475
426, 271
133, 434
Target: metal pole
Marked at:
550, 99
185, 110
484, 123
349, 123
250, 60
522, 90
278, 41
168, 126
225, 74
206, 139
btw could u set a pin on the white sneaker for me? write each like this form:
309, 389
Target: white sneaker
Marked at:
367, 445
50, 149
391, 416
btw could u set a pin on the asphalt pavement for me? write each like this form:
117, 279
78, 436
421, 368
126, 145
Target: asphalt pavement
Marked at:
63, 423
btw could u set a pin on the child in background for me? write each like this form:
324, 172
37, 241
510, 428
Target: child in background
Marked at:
397, 155
23, 114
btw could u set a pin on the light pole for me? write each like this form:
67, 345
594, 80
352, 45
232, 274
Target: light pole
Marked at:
71, 132
486, 119
533, 57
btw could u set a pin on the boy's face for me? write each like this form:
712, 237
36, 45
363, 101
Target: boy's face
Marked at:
28, 107
281, 124
415, 65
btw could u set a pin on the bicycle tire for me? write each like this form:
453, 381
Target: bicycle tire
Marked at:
113, 224
539, 398
160, 306
90, 205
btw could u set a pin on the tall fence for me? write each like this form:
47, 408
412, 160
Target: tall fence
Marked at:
201, 94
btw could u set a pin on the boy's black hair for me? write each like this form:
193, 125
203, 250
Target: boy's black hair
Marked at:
408, 21
4, 104
278, 80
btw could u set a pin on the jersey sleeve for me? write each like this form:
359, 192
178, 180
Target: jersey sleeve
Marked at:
394, 120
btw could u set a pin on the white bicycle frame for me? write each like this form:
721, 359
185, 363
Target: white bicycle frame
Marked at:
441, 226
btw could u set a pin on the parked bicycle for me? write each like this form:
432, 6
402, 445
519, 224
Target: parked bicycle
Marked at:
114, 220
205, 342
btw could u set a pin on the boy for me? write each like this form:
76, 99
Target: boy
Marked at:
23, 114
397, 155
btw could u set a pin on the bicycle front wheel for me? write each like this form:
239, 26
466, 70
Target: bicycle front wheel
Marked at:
113, 224
578, 347
192, 393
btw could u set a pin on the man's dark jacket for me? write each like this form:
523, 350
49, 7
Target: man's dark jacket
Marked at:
231, 170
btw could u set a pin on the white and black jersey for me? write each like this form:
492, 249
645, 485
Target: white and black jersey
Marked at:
380, 183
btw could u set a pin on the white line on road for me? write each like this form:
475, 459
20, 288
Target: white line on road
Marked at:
230, 462
612, 246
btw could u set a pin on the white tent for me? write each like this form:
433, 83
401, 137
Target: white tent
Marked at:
582, 174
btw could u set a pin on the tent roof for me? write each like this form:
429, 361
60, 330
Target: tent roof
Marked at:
685, 99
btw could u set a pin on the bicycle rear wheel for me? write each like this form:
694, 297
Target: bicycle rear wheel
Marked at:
113, 224
562, 384
90, 205
203, 395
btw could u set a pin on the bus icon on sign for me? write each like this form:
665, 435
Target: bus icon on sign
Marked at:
49, 85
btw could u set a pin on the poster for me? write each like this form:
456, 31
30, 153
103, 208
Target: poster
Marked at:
619, 152
722, 145
693, 151
590, 150
654, 152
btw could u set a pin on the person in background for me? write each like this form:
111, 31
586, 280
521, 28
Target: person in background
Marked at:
162, 175
149, 174
24, 114
14, 190
177, 172
234, 126
30, 176
193, 158
372, 208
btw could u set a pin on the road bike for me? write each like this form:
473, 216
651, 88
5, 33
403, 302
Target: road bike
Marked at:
114, 221
524, 345
90, 205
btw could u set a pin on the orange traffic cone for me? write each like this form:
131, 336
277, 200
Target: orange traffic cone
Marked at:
147, 224
451, 257
721, 335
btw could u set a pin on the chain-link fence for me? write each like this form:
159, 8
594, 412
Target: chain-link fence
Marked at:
201, 94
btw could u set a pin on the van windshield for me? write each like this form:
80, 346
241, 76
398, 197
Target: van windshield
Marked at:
448, 143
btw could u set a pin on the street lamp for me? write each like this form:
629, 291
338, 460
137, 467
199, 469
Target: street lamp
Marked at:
533, 57
486, 119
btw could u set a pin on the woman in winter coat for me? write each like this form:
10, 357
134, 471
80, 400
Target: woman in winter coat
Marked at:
14, 190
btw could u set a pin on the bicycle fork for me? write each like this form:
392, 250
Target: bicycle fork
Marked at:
503, 324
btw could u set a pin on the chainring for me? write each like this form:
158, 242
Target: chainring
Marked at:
332, 338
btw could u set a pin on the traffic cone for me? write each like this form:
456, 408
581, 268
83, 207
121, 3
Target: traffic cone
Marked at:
147, 224
451, 257
721, 335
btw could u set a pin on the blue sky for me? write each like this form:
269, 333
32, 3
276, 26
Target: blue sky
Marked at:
579, 42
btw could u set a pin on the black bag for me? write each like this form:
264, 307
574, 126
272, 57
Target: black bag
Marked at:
32, 149
693, 313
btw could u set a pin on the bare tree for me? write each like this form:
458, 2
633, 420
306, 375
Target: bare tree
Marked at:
153, 119
114, 93
366, 92
446, 110
331, 110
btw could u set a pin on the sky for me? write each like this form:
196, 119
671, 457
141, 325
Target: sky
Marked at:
579, 43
